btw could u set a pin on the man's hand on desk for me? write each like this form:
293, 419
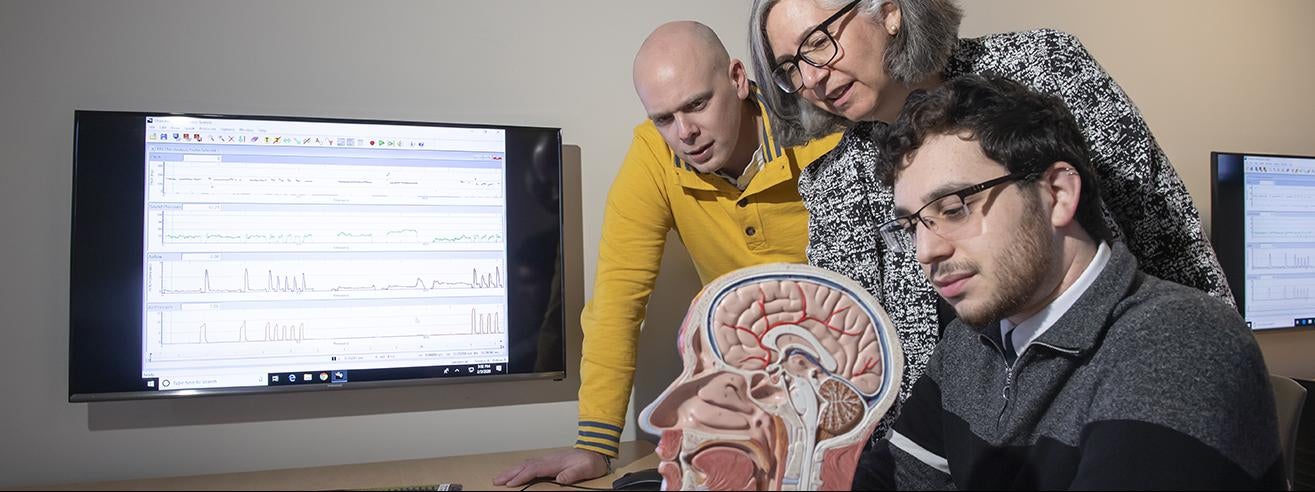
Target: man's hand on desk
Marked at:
566, 467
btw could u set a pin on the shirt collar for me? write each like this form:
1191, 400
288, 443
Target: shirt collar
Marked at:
746, 176
770, 149
1031, 328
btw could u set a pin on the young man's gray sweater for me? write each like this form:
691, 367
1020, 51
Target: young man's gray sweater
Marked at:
1142, 384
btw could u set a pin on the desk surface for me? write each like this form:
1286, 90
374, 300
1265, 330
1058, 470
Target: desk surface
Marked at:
473, 472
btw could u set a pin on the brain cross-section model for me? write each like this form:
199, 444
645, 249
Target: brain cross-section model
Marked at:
788, 368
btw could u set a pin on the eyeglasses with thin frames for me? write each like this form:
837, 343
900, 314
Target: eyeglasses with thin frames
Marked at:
817, 49
947, 216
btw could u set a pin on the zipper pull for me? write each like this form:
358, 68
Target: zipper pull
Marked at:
1009, 383
1004, 393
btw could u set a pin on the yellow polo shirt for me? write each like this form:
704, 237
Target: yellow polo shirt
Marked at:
723, 228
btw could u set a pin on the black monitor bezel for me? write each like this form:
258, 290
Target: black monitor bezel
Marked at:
106, 267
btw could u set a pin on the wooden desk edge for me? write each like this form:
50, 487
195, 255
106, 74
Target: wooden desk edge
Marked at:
473, 472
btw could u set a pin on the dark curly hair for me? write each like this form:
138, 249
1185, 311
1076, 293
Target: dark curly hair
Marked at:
1021, 129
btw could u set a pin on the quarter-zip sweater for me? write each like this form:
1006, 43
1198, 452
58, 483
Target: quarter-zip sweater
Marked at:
1141, 384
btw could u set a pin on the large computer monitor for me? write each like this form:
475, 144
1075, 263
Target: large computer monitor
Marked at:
216, 254
1263, 229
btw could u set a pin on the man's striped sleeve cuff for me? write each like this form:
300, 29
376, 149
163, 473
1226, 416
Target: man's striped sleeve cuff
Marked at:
598, 437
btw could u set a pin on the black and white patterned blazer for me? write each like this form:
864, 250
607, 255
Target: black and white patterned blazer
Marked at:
1147, 205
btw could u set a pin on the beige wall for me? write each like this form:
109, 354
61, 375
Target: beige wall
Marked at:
1207, 74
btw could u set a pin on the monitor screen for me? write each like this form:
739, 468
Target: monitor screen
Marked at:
216, 254
1263, 228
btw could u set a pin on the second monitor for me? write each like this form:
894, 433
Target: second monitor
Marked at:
1263, 229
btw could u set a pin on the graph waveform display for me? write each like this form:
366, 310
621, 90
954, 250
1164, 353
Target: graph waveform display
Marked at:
1282, 228
272, 331
391, 237
1275, 302
1281, 291
275, 331
477, 281
218, 230
1277, 198
314, 183
298, 283
485, 323
377, 257
207, 281
273, 283
1282, 258
245, 333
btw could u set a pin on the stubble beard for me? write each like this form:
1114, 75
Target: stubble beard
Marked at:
1018, 271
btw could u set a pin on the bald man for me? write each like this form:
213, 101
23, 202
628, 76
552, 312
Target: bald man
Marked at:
704, 164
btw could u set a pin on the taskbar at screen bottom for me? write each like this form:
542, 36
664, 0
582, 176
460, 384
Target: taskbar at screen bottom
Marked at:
1278, 322
319, 376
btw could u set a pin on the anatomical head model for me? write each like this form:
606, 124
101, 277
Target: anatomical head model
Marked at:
788, 368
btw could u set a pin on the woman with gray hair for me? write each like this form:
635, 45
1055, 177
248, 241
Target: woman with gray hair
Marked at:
837, 64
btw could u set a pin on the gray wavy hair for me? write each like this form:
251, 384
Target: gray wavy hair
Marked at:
929, 31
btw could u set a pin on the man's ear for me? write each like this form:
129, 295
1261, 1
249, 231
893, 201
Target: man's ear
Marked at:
739, 78
1064, 185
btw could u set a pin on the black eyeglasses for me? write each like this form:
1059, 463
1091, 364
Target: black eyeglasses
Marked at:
947, 216
818, 49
